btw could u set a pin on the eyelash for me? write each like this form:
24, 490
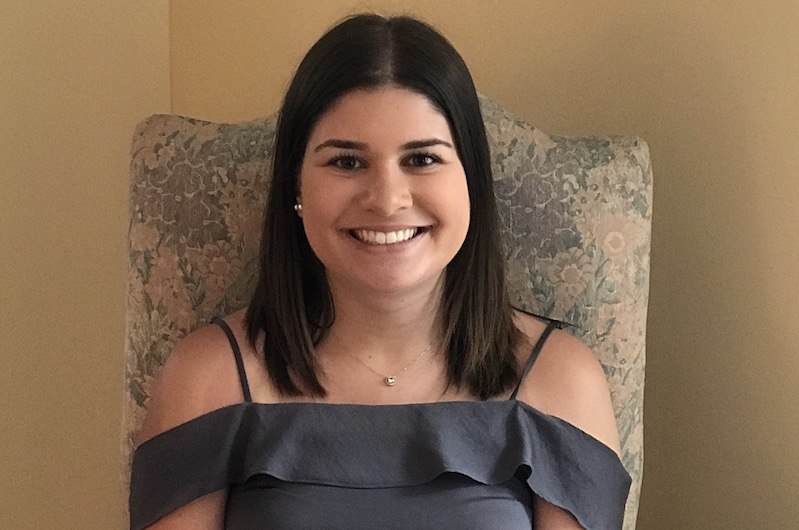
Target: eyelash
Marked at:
337, 160
424, 154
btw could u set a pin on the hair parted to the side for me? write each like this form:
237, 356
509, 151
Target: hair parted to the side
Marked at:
292, 309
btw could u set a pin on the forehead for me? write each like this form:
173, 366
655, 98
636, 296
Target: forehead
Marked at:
383, 113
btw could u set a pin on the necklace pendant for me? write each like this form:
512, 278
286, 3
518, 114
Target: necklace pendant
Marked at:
390, 380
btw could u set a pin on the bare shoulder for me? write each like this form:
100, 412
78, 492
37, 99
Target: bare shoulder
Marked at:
199, 376
567, 381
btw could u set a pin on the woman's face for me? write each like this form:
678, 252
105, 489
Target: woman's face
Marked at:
384, 198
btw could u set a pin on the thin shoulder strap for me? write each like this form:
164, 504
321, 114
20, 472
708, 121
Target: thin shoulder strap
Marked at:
245, 386
534, 355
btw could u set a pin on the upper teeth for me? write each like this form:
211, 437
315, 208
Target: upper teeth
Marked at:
385, 238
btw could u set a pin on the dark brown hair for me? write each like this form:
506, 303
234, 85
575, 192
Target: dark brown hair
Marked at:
292, 305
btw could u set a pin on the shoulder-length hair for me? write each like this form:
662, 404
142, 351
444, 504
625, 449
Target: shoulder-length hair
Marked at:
292, 309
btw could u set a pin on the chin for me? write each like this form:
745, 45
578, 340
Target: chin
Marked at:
394, 285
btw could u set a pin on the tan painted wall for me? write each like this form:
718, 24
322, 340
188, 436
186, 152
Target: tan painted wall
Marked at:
75, 77
713, 87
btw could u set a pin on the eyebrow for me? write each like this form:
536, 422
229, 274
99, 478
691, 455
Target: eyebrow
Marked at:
340, 144
359, 146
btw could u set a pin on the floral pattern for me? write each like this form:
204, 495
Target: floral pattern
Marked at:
575, 212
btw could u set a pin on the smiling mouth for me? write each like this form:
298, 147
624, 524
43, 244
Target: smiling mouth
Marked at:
372, 237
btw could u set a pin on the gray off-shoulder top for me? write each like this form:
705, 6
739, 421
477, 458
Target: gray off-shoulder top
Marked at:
446, 465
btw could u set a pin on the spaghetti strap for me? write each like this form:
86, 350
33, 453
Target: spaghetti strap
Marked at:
245, 386
534, 355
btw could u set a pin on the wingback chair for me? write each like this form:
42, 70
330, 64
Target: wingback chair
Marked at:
575, 212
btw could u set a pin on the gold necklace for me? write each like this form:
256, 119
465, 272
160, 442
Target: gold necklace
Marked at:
390, 380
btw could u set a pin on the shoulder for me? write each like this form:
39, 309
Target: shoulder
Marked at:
199, 376
567, 381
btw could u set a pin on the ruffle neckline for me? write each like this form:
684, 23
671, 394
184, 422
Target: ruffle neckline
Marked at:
380, 446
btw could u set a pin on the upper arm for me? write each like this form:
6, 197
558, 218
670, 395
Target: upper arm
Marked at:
547, 516
198, 377
567, 381
205, 513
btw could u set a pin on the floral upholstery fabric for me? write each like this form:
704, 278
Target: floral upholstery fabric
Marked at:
575, 213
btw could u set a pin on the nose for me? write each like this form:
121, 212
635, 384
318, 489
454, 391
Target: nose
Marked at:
387, 190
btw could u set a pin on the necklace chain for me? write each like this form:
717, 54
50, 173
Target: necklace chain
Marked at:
391, 380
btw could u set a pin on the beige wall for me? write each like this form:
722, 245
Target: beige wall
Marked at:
75, 77
713, 87
713, 90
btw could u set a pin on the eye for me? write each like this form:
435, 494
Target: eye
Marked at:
347, 162
422, 160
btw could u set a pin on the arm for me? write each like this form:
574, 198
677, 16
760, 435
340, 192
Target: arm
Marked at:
199, 376
568, 382
205, 513
547, 516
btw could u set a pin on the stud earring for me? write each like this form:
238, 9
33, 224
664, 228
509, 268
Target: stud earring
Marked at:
298, 208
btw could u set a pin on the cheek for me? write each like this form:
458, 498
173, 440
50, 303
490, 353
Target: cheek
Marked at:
466, 213
460, 204
314, 220
321, 210
449, 202
316, 235
312, 194
311, 204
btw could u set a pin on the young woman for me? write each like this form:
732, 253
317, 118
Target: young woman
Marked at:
380, 377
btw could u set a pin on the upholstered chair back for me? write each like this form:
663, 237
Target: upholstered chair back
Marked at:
575, 214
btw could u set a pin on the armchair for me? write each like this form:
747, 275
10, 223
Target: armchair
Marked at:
575, 212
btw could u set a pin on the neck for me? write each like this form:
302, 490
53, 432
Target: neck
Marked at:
388, 328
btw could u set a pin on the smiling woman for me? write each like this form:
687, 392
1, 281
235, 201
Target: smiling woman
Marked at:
383, 379
386, 209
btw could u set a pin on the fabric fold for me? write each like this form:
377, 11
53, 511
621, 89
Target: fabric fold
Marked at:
385, 446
